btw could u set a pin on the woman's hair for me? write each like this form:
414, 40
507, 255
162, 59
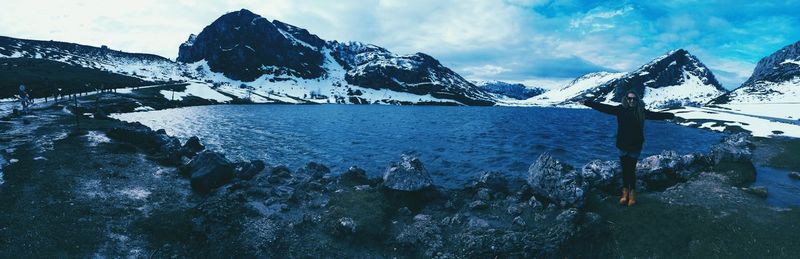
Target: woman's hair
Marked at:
639, 106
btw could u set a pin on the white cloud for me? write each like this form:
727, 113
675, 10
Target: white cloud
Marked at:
505, 39
598, 19
483, 71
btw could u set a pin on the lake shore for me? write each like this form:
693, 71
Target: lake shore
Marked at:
101, 190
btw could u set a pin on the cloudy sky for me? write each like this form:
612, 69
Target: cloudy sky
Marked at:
540, 42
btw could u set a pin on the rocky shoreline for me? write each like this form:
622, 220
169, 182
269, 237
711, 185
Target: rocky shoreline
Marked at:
256, 209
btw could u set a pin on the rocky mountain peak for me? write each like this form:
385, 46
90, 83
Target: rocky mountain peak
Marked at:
678, 68
242, 44
782, 65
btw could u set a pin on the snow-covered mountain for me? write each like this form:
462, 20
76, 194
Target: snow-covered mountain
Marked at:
776, 79
276, 61
588, 84
145, 66
509, 90
677, 78
674, 79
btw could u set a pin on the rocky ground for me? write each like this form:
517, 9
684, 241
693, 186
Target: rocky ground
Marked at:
111, 188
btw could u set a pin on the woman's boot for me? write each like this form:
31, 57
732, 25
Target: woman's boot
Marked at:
624, 199
632, 197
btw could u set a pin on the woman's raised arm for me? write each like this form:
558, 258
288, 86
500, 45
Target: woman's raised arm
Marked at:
601, 107
658, 115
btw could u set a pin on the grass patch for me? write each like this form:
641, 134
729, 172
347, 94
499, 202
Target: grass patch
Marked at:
368, 209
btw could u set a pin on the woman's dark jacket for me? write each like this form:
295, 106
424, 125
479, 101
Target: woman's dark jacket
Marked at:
630, 133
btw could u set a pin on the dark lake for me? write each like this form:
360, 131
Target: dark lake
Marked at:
454, 143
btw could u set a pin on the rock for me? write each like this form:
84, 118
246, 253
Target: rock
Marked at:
100, 115
192, 146
535, 204
557, 182
165, 148
456, 219
354, 176
423, 235
664, 170
494, 181
485, 194
478, 223
421, 217
795, 175
279, 174
169, 149
514, 210
209, 170
734, 148
408, 175
404, 211
569, 215
314, 170
283, 192
478, 205
518, 221
247, 170
134, 133
600, 173
345, 226
759, 191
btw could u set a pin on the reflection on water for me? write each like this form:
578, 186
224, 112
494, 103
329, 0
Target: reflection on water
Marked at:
454, 143
783, 191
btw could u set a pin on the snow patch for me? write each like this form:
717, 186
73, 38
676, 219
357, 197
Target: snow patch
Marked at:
96, 137
790, 61
577, 88
197, 89
136, 193
758, 126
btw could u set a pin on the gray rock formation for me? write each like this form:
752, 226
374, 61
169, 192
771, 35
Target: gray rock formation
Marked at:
559, 182
408, 175
209, 170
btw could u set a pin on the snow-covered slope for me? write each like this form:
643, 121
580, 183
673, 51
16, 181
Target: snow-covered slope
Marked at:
672, 80
675, 79
145, 66
577, 89
776, 79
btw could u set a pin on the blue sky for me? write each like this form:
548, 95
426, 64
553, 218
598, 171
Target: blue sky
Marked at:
539, 42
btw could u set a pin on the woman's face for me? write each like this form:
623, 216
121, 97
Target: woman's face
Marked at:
631, 99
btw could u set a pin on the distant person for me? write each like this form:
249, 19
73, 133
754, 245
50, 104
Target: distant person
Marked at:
630, 137
23, 99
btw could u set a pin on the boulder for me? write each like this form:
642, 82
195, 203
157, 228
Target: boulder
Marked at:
408, 175
314, 170
169, 149
794, 175
494, 181
556, 181
134, 133
209, 170
600, 173
478, 205
192, 146
247, 170
759, 191
354, 176
666, 169
733, 148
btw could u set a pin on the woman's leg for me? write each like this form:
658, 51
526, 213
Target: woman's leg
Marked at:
623, 161
632, 168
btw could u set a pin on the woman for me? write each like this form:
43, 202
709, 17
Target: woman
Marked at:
630, 137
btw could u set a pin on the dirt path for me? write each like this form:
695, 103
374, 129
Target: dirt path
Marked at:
77, 193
